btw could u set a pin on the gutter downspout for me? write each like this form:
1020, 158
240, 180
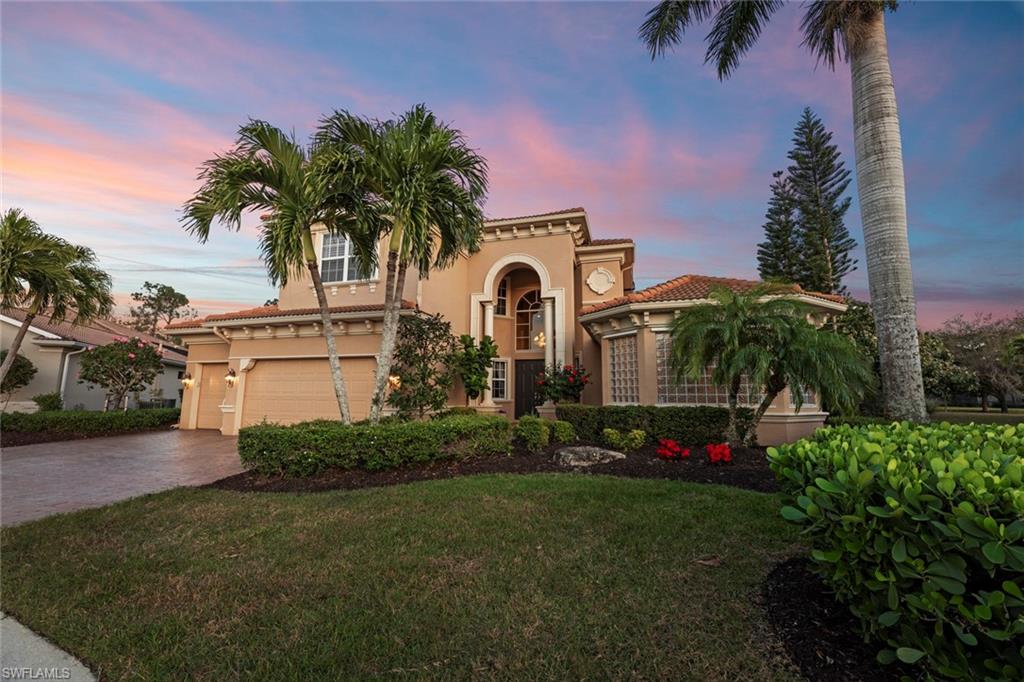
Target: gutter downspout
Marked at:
64, 374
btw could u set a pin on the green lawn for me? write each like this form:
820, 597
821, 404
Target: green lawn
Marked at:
491, 577
965, 415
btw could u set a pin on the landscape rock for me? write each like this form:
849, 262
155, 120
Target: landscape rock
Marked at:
585, 455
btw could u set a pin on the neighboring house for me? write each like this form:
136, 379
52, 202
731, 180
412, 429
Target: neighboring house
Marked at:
55, 348
540, 285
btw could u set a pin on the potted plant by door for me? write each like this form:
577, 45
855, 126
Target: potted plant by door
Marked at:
560, 384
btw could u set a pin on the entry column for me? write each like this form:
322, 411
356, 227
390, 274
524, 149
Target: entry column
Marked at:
486, 400
549, 332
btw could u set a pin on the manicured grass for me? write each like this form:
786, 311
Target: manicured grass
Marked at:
489, 577
966, 415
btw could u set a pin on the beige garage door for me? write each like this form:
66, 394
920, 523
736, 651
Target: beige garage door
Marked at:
211, 395
290, 391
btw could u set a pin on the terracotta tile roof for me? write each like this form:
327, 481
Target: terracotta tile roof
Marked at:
577, 209
274, 311
95, 332
694, 288
606, 242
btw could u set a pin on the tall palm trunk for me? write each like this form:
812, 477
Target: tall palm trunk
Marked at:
393, 287
340, 392
883, 206
12, 352
732, 431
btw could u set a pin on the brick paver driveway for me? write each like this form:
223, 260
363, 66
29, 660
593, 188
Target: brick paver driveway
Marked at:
49, 478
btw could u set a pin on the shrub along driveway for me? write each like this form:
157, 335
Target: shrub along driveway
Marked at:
50, 478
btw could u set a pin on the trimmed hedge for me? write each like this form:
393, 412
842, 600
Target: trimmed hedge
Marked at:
310, 447
79, 421
837, 420
920, 529
685, 425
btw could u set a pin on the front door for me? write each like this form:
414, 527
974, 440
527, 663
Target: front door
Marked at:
526, 386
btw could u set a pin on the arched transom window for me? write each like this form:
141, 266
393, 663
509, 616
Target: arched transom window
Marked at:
530, 322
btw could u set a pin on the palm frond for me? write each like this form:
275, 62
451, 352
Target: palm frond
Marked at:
668, 20
734, 31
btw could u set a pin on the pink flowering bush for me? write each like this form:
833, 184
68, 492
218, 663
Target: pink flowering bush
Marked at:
121, 367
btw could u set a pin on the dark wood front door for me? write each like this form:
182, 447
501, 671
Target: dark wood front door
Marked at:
526, 386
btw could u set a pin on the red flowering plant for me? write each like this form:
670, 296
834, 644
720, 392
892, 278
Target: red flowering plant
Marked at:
671, 450
562, 383
719, 453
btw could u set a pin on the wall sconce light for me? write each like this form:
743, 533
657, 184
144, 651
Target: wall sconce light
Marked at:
231, 378
187, 381
395, 381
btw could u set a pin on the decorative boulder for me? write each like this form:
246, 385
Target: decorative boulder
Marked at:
585, 455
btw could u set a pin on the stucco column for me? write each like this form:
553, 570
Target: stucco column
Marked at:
549, 332
487, 401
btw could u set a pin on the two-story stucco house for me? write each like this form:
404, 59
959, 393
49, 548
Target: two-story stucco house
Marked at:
541, 286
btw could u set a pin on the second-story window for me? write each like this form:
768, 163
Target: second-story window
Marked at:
530, 322
337, 262
501, 300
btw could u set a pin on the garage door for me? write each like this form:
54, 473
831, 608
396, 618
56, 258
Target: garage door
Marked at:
290, 391
211, 395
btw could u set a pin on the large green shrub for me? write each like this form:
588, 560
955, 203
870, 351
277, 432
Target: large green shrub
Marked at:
686, 425
77, 421
307, 448
921, 530
562, 432
532, 433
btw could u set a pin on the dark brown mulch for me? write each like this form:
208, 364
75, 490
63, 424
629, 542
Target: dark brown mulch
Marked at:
749, 469
819, 633
10, 439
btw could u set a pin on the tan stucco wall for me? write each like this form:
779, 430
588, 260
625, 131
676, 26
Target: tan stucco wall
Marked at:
48, 363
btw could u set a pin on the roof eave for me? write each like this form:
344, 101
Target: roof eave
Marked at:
633, 306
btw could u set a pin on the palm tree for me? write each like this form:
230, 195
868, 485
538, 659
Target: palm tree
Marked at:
766, 339
422, 175
44, 272
853, 31
292, 188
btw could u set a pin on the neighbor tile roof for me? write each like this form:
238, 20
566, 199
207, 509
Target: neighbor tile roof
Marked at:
274, 311
694, 288
94, 332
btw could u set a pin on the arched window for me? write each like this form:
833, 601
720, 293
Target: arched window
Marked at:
530, 322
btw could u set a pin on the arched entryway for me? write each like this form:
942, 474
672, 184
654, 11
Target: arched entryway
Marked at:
521, 311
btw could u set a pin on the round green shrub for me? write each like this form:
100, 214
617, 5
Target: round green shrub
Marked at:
920, 529
532, 433
562, 432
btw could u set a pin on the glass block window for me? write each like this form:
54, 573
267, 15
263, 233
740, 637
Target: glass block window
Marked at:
499, 380
501, 300
690, 392
337, 262
810, 400
623, 370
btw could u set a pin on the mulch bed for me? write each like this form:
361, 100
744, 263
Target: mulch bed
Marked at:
820, 634
10, 439
748, 469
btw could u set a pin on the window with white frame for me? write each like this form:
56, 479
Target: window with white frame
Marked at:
501, 300
499, 379
338, 262
702, 391
623, 370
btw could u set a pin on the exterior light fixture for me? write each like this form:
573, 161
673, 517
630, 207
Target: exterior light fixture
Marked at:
540, 340
395, 381
231, 378
187, 381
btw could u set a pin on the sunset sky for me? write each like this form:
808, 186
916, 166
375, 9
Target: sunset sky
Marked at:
109, 108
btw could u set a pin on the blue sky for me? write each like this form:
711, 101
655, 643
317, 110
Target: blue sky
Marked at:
109, 108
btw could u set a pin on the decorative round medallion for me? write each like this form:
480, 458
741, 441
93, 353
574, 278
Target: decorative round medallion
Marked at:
600, 281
